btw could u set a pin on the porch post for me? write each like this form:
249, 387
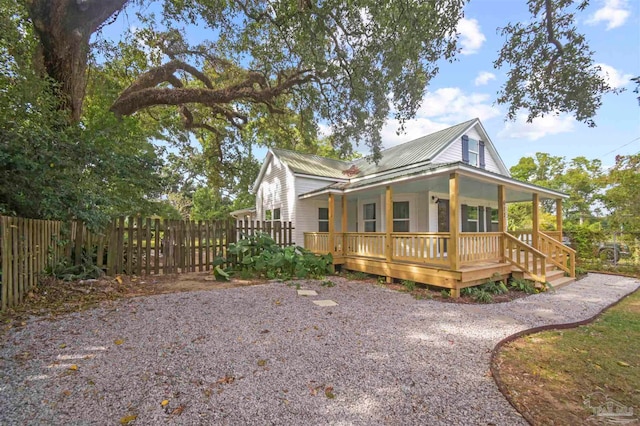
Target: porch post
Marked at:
502, 223
454, 220
332, 246
559, 216
535, 233
388, 223
344, 224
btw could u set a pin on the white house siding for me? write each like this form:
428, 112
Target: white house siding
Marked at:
453, 153
306, 211
276, 190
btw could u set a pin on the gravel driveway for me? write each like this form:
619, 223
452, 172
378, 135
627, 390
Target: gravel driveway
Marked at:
264, 355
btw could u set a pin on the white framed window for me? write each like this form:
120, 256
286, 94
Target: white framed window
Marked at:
323, 219
472, 218
276, 214
474, 152
369, 217
401, 216
268, 215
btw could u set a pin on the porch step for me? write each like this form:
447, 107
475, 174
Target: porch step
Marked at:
561, 282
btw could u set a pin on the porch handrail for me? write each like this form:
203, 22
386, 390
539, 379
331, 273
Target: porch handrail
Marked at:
368, 244
532, 262
560, 255
478, 246
421, 247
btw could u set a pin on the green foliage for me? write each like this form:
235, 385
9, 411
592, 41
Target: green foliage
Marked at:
358, 276
523, 285
409, 285
65, 271
445, 294
622, 197
327, 283
585, 238
221, 274
261, 256
554, 59
484, 293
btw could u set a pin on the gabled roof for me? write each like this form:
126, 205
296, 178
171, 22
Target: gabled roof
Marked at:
315, 165
416, 151
395, 160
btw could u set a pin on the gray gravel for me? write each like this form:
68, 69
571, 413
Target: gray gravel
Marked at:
264, 355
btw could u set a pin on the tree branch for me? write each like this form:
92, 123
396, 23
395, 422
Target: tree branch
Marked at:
551, 38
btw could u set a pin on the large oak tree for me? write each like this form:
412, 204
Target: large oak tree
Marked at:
347, 63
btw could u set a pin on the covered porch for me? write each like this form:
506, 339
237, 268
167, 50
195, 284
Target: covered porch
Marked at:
445, 228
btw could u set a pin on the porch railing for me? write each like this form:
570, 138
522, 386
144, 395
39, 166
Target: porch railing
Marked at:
369, 244
526, 235
318, 242
557, 253
525, 257
479, 246
420, 247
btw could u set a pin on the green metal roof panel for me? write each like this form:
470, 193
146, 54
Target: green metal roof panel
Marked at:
310, 164
416, 151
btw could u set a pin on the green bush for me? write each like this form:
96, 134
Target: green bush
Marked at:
520, 284
409, 285
260, 256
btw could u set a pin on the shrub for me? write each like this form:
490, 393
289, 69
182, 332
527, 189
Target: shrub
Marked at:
260, 256
523, 285
409, 285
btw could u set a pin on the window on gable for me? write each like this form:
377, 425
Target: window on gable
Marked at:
323, 219
369, 217
400, 216
474, 152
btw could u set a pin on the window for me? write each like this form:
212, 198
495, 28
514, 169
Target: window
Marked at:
401, 216
323, 219
474, 152
494, 219
472, 219
276, 214
268, 215
369, 217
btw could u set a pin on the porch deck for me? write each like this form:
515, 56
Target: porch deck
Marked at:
432, 258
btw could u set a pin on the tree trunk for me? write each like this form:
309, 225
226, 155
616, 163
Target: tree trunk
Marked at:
64, 29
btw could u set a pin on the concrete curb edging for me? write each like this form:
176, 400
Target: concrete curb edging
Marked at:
493, 364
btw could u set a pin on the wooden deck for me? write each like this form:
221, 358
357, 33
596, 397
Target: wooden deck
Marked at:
425, 257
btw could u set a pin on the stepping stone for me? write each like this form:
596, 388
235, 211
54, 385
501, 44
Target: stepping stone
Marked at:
307, 293
325, 303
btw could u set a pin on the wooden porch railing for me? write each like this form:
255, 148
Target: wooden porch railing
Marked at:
317, 242
525, 257
479, 246
420, 247
369, 244
526, 235
557, 253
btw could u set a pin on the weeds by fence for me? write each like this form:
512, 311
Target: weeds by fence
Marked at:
134, 246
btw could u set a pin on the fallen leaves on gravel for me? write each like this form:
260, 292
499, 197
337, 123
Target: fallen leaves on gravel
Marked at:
128, 419
164, 403
118, 342
73, 367
227, 380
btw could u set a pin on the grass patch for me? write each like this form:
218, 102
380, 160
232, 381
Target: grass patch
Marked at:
548, 375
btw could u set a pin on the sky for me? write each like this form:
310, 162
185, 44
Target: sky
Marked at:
468, 87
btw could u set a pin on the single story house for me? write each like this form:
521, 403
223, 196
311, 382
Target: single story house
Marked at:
432, 210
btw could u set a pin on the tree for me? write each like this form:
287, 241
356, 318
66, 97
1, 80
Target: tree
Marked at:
583, 181
348, 63
622, 198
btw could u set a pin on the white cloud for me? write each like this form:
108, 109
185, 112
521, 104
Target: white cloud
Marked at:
441, 109
471, 38
539, 128
613, 77
484, 77
613, 12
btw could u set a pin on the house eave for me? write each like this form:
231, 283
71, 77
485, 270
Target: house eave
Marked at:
462, 168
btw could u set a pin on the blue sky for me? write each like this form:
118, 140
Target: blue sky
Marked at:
468, 88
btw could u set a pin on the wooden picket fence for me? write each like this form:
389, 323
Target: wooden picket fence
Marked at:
132, 246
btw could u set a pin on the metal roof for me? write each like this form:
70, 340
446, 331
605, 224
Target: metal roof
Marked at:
315, 165
416, 151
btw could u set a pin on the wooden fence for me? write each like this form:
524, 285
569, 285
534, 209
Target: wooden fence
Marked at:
133, 246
